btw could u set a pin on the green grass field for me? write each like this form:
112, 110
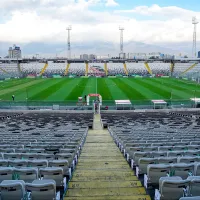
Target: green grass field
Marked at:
69, 89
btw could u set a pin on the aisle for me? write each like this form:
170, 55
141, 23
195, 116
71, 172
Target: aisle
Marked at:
102, 172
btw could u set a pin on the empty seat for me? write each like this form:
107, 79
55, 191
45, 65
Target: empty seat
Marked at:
175, 153
12, 156
194, 185
155, 172
167, 160
28, 174
158, 154
6, 173
63, 164
143, 163
171, 188
42, 189
3, 163
182, 170
38, 163
29, 156
12, 189
18, 163
45, 156
55, 173
187, 159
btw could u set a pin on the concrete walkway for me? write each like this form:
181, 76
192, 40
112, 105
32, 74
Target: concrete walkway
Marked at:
102, 172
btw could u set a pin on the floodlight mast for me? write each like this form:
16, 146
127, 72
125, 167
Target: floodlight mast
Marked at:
194, 50
121, 39
69, 28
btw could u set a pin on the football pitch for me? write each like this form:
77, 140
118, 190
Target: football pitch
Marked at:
69, 89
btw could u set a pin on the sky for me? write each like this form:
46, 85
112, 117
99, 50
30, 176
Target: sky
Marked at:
39, 26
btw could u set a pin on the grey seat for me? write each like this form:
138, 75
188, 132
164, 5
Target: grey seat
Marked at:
156, 171
12, 189
171, 188
6, 173
38, 163
27, 174
63, 164
194, 185
167, 160
42, 189
182, 169
55, 173
18, 163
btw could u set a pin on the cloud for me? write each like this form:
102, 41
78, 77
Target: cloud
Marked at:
45, 21
111, 3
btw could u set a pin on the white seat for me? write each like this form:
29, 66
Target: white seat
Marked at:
28, 174
42, 189
12, 190
55, 173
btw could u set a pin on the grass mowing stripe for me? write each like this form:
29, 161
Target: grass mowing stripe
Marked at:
20, 87
115, 91
64, 90
15, 82
159, 93
176, 92
180, 86
104, 90
128, 90
90, 87
77, 90
44, 94
147, 91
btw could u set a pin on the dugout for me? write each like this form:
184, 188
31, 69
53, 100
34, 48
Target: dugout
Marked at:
159, 104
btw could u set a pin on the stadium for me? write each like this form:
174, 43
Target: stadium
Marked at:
115, 129
51, 83
99, 127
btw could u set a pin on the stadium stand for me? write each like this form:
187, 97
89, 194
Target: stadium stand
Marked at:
115, 69
39, 152
77, 69
9, 71
32, 69
136, 69
162, 148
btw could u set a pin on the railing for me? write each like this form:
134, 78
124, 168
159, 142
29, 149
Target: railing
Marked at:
106, 105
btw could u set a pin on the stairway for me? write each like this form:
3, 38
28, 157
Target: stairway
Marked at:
125, 69
67, 69
102, 172
43, 69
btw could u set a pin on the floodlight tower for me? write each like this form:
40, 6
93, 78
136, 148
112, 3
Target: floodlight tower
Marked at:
195, 22
69, 28
121, 39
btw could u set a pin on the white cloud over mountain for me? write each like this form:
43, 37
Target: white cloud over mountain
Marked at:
29, 21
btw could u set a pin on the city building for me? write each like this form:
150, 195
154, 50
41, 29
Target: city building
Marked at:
198, 54
88, 57
14, 52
